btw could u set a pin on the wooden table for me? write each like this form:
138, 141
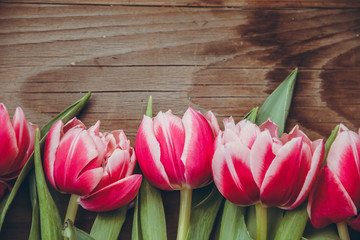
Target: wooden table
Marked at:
219, 55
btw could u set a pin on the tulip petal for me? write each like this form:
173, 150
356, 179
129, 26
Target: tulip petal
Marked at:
281, 175
355, 223
73, 123
271, 127
75, 153
23, 139
232, 174
307, 175
8, 145
51, 146
261, 156
170, 134
248, 134
116, 166
214, 124
148, 153
198, 147
329, 201
113, 196
343, 161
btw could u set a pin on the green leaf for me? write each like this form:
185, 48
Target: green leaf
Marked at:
72, 233
149, 215
35, 221
233, 223
277, 105
108, 225
50, 221
152, 215
251, 116
328, 143
293, 224
136, 227
203, 216
65, 115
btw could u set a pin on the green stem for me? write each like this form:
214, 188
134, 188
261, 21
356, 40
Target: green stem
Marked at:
261, 221
184, 213
343, 231
72, 208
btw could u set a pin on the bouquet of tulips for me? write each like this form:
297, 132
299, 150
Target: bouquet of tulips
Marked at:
248, 181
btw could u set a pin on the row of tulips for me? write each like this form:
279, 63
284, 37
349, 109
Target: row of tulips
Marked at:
249, 164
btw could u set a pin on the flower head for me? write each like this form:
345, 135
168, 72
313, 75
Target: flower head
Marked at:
16, 145
175, 153
253, 164
96, 166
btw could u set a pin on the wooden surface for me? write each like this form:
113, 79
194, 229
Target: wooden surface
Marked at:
224, 56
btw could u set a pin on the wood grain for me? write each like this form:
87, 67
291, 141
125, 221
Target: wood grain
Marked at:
217, 58
212, 3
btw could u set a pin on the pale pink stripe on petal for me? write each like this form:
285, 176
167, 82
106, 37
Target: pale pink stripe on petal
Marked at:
261, 156
197, 150
148, 154
51, 146
170, 134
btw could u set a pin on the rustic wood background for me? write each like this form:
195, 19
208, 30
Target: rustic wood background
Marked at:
225, 56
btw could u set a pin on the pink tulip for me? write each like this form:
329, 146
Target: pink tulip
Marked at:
252, 164
175, 153
16, 145
336, 193
96, 166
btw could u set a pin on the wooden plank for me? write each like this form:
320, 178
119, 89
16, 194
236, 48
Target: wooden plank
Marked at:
210, 57
127, 36
213, 3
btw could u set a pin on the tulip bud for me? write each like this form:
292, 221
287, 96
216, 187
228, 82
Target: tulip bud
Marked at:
251, 164
16, 145
336, 193
175, 153
96, 166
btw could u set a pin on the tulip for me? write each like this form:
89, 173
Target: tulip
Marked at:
96, 166
175, 154
252, 165
335, 197
16, 145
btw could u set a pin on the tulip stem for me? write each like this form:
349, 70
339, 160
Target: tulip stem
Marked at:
343, 231
261, 221
72, 208
184, 213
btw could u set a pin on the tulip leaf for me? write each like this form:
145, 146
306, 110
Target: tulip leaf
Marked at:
293, 224
251, 116
35, 221
149, 222
72, 233
152, 214
203, 216
50, 221
136, 228
277, 105
232, 225
65, 115
328, 143
108, 225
